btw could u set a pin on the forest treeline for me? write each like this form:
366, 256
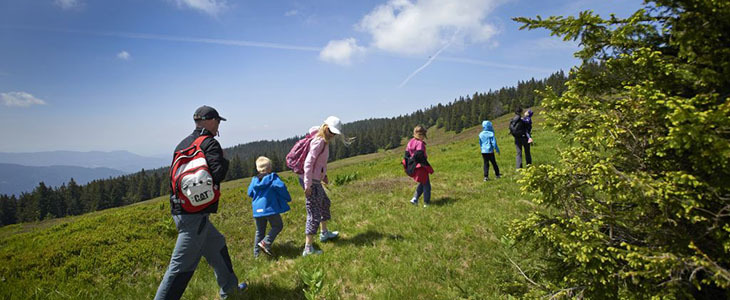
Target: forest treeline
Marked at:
46, 202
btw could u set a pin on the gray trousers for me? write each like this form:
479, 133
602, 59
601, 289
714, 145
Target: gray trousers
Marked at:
521, 143
196, 238
276, 225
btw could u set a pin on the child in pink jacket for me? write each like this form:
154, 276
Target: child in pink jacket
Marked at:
417, 150
315, 172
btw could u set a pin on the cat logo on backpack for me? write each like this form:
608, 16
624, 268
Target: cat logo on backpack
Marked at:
191, 180
201, 197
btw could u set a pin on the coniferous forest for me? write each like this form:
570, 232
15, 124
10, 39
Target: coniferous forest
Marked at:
46, 202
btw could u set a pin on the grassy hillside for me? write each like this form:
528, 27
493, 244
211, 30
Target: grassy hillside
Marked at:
387, 249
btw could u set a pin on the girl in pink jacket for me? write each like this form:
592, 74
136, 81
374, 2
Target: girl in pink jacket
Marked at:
416, 148
315, 172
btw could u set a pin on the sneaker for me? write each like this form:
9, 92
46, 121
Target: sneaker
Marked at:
265, 247
310, 251
414, 201
425, 205
236, 293
486, 178
499, 176
328, 235
242, 286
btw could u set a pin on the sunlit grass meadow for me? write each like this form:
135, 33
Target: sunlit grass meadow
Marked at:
388, 249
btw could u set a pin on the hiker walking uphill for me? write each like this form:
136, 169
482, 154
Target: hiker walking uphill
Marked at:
197, 169
269, 198
488, 145
518, 129
314, 173
417, 166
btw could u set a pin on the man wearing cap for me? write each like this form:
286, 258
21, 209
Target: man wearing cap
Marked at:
196, 235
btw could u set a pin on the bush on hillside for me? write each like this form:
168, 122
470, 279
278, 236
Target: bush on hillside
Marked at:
640, 201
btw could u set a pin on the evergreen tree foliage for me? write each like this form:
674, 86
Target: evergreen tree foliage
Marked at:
640, 201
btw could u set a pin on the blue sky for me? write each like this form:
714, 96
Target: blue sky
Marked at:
127, 75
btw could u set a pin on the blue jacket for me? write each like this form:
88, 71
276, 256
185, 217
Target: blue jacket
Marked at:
269, 195
487, 139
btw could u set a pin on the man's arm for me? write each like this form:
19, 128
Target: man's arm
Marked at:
217, 164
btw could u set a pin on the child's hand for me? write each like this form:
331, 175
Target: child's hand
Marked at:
529, 140
326, 180
308, 192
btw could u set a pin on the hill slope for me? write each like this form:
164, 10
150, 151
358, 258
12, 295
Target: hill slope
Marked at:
15, 179
388, 249
118, 160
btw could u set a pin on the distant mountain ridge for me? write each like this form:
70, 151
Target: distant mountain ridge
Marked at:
124, 161
16, 179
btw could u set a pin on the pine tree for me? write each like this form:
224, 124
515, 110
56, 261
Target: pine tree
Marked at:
639, 201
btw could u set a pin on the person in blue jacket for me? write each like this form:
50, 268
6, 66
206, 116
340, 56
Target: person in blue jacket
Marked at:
488, 144
269, 200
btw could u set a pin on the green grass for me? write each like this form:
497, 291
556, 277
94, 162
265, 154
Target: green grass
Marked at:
388, 248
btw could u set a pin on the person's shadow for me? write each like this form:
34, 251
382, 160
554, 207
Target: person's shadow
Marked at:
367, 238
443, 201
259, 291
288, 249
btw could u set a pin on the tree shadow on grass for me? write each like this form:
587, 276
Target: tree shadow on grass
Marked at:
443, 201
367, 238
260, 291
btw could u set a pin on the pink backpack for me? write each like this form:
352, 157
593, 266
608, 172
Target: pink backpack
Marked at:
298, 154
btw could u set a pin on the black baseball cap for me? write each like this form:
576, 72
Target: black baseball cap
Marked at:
207, 113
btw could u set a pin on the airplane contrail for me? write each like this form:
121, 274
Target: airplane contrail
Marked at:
246, 43
160, 37
430, 60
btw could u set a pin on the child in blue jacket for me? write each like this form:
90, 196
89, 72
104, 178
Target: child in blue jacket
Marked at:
488, 145
269, 200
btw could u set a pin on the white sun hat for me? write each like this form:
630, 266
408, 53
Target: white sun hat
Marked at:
334, 124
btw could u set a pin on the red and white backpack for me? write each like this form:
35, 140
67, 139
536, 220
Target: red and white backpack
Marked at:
191, 180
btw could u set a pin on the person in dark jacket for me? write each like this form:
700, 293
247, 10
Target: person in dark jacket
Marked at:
518, 129
196, 236
527, 119
269, 199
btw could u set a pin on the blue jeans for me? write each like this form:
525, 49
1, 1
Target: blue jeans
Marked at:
276, 225
425, 189
196, 237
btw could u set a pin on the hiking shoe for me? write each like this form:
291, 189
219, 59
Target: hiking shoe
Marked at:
328, 235
414, 201
236, 293
311, 251
265, 247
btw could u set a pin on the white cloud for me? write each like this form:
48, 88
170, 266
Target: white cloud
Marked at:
67, 4
341, 51
211, 7
292, 12
20, 99
124, 55
423, 26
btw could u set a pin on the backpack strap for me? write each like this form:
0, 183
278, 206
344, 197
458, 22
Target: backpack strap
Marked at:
199, 141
